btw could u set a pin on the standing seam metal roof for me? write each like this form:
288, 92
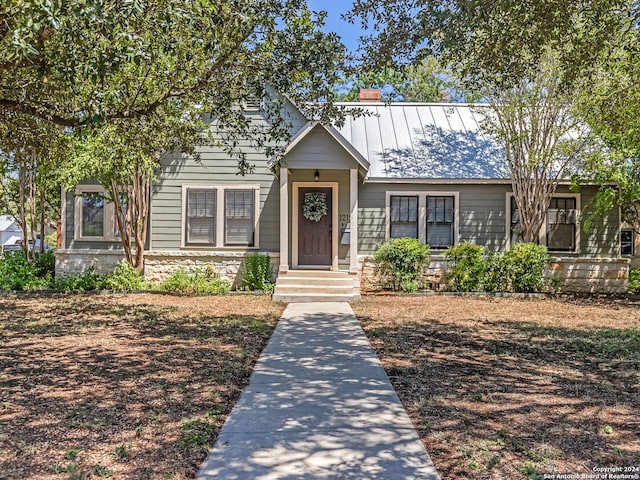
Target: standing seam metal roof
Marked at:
439, 141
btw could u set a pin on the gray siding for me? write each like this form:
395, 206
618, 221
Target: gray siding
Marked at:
214, 168
483, 217
318, 150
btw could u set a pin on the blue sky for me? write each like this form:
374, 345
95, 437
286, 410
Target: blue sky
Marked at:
349, 33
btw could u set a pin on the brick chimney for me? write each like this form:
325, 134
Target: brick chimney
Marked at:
370, 95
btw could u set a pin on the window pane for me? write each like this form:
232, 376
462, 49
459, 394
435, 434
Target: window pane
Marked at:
561, 237
404, 216
561, 224
440, 219
626, 242
201, 217
239, 217
93, 214
440, 235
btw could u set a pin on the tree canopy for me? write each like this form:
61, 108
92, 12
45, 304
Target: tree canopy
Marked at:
76, 62
491, 43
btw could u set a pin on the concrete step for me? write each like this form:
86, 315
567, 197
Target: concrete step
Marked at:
328, 281
310, 289
316, 286
316, 297
316, 274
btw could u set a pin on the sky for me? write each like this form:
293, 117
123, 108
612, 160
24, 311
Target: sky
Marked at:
348, 32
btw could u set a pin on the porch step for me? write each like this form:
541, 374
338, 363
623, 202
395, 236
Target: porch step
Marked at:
316, 286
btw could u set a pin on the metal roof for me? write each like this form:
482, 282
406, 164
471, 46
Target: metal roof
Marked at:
418, 140
7, 221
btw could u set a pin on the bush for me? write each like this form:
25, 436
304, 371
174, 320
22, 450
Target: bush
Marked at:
401, 262
499, 274
634, 280
466, 267
79, 282
528, 262
123, 278
45, 264
18, 273
197, 281
257, 274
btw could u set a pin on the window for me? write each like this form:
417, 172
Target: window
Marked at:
220, 216
561, 224
431, 217
440, 221
239, 210
404, 216
201, 217
559, 233
627, 242
93, 215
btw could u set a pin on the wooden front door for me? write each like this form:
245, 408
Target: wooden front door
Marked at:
314, 237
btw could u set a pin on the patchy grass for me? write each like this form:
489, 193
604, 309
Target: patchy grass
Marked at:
121, 386
504, 388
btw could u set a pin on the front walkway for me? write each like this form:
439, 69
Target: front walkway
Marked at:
318, 406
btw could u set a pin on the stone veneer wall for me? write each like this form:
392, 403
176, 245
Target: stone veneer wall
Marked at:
593, 275
161, 264
77, 261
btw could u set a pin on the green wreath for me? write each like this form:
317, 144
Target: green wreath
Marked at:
315, 206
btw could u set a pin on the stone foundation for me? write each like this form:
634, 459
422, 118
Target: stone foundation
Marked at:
161, 264
77, 261
592, 275
566, 274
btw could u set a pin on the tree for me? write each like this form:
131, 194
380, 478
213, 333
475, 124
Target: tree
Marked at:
502, 50
544, 141
388, 80
83, 61
29, 187
497, 42
610, 103
425, 81
125, 77
123, 156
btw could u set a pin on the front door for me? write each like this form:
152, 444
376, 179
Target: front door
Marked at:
314, 226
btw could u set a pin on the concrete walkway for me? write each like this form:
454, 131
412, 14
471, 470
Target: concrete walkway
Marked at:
318, 406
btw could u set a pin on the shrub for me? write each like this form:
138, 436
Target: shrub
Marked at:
401, 262
528, 262
198, 281
18, 273
45, 264
498, 276
634, 280
466, 267
257, 273
79, 282
123, 278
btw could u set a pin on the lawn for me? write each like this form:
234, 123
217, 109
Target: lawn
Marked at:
121, 386
503, 388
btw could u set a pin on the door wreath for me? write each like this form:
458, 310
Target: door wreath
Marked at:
315, 206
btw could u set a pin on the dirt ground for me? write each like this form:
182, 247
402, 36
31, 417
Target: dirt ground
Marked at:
121, 386
137, 386
507, 388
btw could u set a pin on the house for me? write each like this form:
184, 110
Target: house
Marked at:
10, 233
421, 170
